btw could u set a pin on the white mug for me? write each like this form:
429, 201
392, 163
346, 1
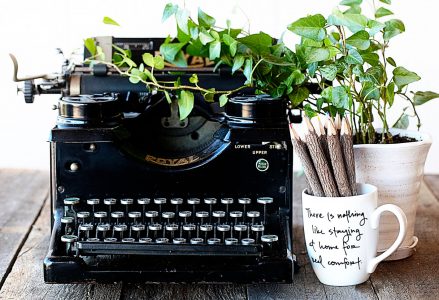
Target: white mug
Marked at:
341, 235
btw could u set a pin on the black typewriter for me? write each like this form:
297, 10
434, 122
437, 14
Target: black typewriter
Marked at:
139, 195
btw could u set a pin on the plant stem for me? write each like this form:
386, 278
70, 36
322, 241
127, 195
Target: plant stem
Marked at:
418, 125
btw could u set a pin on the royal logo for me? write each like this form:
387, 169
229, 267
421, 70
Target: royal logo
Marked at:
172, 162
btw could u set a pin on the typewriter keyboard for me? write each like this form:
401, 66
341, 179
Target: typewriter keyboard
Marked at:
126, 226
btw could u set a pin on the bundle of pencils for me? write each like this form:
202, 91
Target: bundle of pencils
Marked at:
327, 157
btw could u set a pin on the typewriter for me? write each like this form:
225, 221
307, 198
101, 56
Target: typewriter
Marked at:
139, 195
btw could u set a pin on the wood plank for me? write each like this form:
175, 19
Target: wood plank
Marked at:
415, 277
184, 292
432, 182
305, 284
26, 278
22, 194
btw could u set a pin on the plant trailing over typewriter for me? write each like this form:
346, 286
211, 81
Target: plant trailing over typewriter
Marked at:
268, 66
347, 54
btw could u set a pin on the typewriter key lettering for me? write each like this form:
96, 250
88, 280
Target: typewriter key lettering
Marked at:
262, 165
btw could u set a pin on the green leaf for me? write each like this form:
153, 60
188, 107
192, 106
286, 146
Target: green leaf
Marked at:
403, 77
337, 96
354, 58
312, 27
214, 50
231, 42
233, 48
372, 59
423, 97
182, 37
168, 97
193, 79
209, 96
391, 61
205, 20
403, 122
298, 96
169, 10
370, 91
185, 104
316, 54
386, 1
374, 27
329, 72
360, 40
148, 59
309, 112
259, 43
170, 50
205, 37
159, 62
351, 2
182, 17
223, 100
90, 45
354, 22
110, 21
390, 93
354, 9
179, 60
237, 63
382, 12
248, 67
393, 28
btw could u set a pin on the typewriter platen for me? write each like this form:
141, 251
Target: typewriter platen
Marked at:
139, 195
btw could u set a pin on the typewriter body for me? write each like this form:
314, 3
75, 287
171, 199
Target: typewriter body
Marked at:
139, 195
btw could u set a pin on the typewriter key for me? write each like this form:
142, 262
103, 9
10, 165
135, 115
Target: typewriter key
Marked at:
168, 215
227, 202
71, 201
189, 228
264, 201
269, 239
110, 240
172, 228
223, 228
247, 241
143, 202
128, 240
184, 214
86, 228
258, 229
202, 215
155, 227
196, 241
109, 202
162, 240
244, 202
138, 228
134, 215
69, 239
102, 228
213, 241
236, 214
231, 241
100, 215
92, 203
210, 202
82, 215
206, 228
93, 240
68, 227
69, 211
151, 214
145, 240
193, 202
253, 214
219, 214
176, 202
240, 228
127, 202
120, 228
179, 241
117, 215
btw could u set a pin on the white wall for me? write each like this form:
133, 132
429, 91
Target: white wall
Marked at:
33, 29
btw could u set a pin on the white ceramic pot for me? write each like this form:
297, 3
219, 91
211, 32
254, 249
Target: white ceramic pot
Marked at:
397, 170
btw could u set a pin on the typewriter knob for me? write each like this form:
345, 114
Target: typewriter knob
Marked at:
29, 91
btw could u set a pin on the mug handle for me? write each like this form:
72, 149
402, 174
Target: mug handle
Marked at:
374, 223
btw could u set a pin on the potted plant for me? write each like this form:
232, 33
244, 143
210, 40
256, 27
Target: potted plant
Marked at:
345, 54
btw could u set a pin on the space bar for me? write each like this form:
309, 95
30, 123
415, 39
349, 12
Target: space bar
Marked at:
105, 248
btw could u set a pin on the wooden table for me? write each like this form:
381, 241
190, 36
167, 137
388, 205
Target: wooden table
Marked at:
24, 237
